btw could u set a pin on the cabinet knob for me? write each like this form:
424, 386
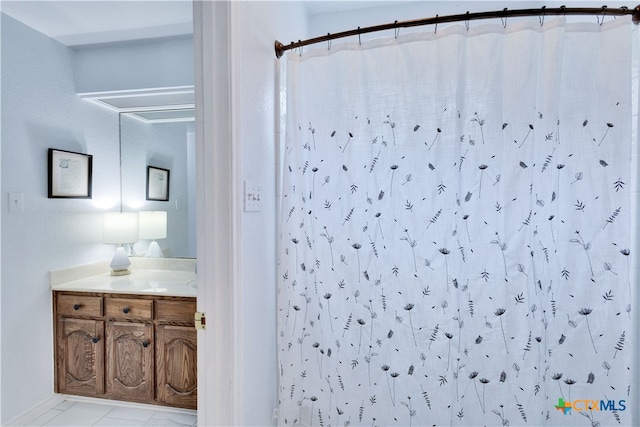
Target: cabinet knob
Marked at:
126, 310
95, 339
145, 343
76, 307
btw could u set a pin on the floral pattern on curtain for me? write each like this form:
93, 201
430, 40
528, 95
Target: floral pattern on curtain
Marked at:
454, 231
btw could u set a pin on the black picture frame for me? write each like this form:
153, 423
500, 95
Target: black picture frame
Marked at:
70, 174
158, 180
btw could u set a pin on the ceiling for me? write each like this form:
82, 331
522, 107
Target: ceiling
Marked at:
82, 23
77, 23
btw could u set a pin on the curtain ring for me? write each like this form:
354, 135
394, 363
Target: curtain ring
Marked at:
604, 13
328, 41
542, 17
396, 29
504, 18
435, 31
359, 39
466, 21
300, 49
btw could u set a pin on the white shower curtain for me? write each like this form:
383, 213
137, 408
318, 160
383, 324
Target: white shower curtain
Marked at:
455, 243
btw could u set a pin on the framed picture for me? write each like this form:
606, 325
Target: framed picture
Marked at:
157, 184
69, 174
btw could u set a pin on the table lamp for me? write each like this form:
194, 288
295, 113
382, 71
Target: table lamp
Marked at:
120, 228
153, 225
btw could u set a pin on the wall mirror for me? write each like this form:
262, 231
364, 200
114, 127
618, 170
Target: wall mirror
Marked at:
136, 59
153, 107
167, 143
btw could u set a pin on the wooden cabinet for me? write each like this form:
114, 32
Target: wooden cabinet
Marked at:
129, 308
80, 356
138, 348
175, 367
176, 354
130, 361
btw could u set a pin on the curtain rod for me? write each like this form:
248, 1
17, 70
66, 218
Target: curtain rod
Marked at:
503, 14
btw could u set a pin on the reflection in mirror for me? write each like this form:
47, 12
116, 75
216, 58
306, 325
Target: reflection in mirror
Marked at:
167, 145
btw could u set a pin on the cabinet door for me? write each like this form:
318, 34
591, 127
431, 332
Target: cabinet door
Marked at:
80, 356
176, 365
130, 361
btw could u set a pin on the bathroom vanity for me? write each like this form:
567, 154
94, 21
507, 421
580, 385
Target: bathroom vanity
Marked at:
128, 338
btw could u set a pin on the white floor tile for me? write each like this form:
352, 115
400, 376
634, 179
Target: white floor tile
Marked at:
81, 414
162, 423
65, 405
171, 419
134, 414
46, 417
115, 422
84, 414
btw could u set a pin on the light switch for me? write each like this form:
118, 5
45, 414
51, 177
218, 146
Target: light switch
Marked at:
252, 197
15, 202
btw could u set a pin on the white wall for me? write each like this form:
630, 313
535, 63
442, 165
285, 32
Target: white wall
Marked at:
40, 110
157, 63
337, 21
256, 25
1, 215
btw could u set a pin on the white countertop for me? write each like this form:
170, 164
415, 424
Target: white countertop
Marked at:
140, 281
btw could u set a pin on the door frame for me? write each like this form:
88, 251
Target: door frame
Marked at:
217, 218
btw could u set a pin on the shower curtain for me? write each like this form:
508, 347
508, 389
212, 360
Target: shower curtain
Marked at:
455, 219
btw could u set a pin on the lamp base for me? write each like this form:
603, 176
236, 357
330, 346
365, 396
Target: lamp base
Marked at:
154, 251
120, 263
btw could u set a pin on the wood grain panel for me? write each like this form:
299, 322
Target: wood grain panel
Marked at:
176, 365
175, 311
130, 365
79, 305
129, 308
80, 360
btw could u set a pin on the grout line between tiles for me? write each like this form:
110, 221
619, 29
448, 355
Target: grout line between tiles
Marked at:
104, 416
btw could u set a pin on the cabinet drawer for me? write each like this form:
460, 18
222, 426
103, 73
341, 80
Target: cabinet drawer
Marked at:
79, 305
175, 311
129, 308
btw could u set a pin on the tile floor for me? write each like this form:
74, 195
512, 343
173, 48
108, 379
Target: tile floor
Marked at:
79, 413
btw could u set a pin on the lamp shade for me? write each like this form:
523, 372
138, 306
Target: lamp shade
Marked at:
153, 225
120, 227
